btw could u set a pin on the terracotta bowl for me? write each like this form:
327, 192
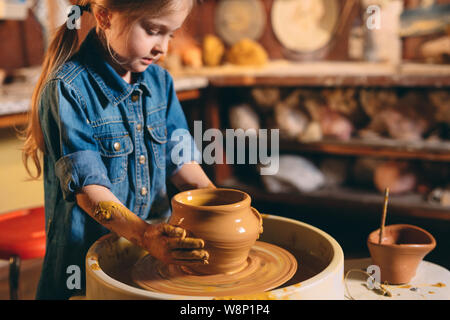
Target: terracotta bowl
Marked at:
402, 249
224, 219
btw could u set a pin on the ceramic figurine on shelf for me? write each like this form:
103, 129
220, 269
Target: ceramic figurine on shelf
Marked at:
441, 102
345, 102
247, 52
292, 122
213, 50
402, 118
335, 171
244, 117
399, 177
289, 117
441, 196
295, 174
266, 97
382, 39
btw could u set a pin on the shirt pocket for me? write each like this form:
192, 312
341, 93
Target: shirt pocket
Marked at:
158, 137
114, 149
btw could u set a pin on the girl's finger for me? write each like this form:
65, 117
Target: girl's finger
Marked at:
190, 255
172, 231
191, 263
186, 243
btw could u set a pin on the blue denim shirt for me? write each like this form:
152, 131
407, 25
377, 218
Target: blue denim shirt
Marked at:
100, 130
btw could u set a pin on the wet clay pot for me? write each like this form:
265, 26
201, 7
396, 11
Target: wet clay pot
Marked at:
224, 219
402, 249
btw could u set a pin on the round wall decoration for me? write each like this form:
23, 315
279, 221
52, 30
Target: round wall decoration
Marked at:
304, 26
238, 19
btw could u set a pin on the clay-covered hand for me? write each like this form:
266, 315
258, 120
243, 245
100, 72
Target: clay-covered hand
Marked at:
168, 243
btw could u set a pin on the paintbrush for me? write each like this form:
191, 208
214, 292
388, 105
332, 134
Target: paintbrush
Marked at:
383, 217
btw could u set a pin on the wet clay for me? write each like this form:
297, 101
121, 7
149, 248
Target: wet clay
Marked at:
224, 219
403, 247
103, 211
106, 210
268, 266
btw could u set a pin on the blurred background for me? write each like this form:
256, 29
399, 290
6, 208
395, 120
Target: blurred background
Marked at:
359, 90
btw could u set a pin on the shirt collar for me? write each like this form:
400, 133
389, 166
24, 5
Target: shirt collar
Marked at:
110, 83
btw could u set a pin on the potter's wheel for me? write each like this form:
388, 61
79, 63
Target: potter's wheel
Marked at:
268, 267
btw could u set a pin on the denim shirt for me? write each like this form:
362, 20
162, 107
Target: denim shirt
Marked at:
100, 130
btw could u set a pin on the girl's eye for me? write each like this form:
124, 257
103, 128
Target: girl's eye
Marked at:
152, 32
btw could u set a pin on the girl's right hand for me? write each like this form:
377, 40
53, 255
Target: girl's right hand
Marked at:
169, 244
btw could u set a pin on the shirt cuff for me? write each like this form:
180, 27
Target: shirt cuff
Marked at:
80, 169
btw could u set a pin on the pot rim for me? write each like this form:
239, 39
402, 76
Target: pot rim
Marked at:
245, 202
430, 245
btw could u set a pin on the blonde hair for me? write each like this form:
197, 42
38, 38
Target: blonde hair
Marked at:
63, 45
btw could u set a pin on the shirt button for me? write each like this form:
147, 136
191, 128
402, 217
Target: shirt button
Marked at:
135, 98
117, 146
139, 127
143, 191
142, 159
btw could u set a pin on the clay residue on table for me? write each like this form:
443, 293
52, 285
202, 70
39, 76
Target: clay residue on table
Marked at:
256, 296
439, 285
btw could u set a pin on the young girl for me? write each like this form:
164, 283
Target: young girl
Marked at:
103, 118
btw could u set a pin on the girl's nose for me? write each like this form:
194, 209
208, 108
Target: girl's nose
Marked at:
162, 46
157, 50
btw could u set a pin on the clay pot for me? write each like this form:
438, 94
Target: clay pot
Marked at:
224, 219
402, 249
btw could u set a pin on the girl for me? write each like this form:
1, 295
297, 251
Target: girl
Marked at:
103, 118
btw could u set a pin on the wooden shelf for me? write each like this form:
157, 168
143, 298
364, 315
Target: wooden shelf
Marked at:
21, 119
325, 74
353, 200
383, 148
13, 120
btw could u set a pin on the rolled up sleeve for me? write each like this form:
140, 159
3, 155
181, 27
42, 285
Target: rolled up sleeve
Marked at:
69, 139
181, 147
80, 169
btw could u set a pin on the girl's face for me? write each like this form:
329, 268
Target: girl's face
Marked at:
147, 40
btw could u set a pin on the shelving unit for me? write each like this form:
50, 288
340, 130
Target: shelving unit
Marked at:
382, 148
359, 202
335, 74
188, 88
324, 74
204, 83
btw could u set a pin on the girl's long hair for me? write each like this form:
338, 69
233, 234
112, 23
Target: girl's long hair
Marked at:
63, 45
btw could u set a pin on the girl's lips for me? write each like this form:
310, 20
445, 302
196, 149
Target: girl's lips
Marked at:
147, 61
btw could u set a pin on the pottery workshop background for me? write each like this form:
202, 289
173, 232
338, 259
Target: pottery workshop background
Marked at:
359, 90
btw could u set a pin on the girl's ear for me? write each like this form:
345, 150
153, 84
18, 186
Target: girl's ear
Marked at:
103, 17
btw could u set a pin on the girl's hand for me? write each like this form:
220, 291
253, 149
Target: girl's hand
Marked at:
169, 244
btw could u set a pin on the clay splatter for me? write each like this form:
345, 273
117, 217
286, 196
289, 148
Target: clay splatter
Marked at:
438, 285
95, 266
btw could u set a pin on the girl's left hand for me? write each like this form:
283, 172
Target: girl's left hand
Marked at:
170, 245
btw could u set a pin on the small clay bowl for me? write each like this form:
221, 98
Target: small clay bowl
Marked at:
402, 249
